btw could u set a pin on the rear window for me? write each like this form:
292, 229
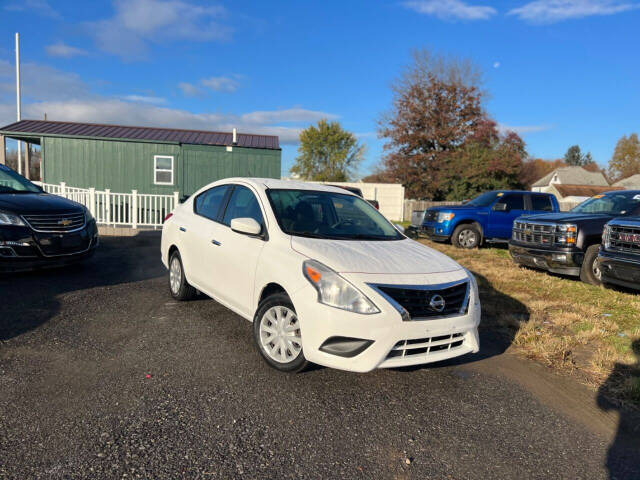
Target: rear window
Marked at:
541, 203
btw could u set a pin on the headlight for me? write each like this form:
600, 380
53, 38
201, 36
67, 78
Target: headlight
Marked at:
10, 219
335, 291
606, 236
568, 233
474, 287
445, 216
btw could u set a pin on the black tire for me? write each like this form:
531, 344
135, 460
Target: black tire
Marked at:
180, 290
590, 272
466, 236
298, 363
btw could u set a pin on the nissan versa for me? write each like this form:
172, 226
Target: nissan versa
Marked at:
41, 230
324, 277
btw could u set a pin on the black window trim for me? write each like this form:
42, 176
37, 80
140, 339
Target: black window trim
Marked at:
264, 234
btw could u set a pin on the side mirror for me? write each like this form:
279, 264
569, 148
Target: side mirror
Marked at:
400, 228
500, 207
246, 226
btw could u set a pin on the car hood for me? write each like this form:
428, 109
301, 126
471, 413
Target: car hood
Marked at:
566, 217
391, 257
455, 208
29, 203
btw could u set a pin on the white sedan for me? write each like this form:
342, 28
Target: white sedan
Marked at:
323, 276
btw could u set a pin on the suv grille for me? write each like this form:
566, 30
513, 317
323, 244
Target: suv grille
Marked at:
59, 222
533, 233
624, 238
417, 300
425, 346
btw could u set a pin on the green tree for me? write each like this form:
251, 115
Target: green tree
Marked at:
328, 153
486, 161
575, 158
626, 158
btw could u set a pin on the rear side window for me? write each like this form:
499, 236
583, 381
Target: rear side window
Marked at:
541, 203
209, 203
242, 204
514, 201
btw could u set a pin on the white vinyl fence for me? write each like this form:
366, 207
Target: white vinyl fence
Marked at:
119, 209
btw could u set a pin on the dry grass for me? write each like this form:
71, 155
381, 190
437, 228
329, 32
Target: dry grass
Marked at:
580, 329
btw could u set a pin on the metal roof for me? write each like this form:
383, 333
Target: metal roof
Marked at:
573, 176
150, 134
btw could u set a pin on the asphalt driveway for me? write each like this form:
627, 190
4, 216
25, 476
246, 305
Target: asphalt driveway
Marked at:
103, 375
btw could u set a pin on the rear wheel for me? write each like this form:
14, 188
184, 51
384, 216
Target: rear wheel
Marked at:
276, 331
178, 285
590, 270
466, 236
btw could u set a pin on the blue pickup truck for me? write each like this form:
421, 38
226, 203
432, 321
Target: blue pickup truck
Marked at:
487, 218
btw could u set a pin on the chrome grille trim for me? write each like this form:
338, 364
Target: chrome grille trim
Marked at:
50, 223
615, 243
534, 233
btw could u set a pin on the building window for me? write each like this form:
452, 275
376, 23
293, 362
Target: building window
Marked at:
163, 170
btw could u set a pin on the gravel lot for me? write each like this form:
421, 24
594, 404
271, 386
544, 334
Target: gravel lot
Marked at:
103, 375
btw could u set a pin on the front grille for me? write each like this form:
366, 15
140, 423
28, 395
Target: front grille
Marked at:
59, 222
416, 300
624, 238
533, 233
425, 346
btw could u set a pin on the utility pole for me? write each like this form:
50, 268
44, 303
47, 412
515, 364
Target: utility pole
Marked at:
18, 102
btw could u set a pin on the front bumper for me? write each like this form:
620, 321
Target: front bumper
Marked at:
620, 269
440, 232
562, 261
392, 341
22, 249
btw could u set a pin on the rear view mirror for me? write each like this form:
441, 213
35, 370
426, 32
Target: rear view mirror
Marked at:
500, 207
246, 226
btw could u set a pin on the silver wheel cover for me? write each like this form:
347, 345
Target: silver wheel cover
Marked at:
467, 238
175, 275
280, 334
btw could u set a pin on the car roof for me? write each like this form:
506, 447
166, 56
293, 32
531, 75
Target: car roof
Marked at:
277, 184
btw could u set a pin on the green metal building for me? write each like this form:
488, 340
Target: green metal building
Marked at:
149, 160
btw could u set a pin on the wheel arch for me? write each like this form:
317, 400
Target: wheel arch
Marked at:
172, 248
268, 290
470, 221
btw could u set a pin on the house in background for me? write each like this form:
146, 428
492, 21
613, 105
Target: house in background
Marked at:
570, 176
148, 160
629, 183
577, 193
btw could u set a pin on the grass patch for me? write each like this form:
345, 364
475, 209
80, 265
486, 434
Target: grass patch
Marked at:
585, 330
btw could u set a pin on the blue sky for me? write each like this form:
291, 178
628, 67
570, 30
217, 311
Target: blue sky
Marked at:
560, 72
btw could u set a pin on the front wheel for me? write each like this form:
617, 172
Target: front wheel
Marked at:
590, 271
466, 236
276, 331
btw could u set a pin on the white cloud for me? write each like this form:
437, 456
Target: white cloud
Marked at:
190, 90
550, 11
451, 9
145, 99
221, 84
40, 7
63, 50
137, 23
496, 64
522, 129
41, 82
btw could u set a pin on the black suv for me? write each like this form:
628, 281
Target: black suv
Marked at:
38, 229
568, 243
619, 258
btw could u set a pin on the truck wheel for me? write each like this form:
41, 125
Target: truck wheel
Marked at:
590, 271
466, 236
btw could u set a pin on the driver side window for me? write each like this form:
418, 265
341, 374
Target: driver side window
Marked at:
242, 204
513, 201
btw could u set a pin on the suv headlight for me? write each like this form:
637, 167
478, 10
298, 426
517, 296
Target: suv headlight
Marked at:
10, 219
335, 291
445, 216
606, 236
566, 234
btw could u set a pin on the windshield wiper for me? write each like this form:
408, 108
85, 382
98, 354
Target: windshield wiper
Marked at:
308, 234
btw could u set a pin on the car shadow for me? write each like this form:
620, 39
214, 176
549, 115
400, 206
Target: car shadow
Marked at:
30, 299
622, 457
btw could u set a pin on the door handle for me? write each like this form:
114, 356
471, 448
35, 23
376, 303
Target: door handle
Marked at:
216, 243
182, 229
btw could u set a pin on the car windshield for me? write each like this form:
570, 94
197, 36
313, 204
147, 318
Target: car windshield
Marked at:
622, 203
11, 182
483, 200
329, 215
